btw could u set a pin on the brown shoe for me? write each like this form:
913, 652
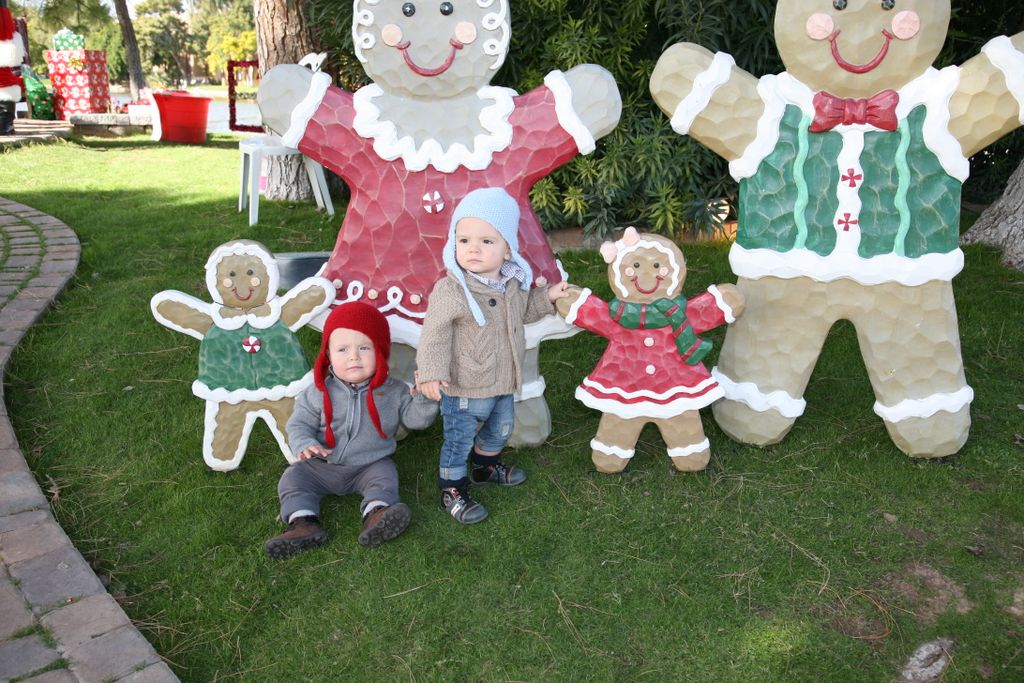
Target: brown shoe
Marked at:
302, 533
384, 523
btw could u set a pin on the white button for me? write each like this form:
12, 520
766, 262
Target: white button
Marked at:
650, 369
649, 341
415, 299
337, 283
372, 294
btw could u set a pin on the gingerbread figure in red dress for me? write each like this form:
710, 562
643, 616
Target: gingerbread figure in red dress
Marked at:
652, 369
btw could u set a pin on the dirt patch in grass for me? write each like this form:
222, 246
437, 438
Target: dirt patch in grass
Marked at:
928, 592
861, 616
1016, 607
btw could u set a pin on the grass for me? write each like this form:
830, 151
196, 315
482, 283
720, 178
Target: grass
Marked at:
830, 556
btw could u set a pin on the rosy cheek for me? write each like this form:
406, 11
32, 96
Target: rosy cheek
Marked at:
629, 272
391, 35
663, 272
226, 283
465, 32
255, 281
820, 26
906, 24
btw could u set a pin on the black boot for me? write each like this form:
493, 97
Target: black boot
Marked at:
7, 118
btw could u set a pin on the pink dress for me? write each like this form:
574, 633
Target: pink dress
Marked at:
388, 251
641, 373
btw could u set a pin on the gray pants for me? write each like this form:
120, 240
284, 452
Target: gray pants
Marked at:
304, 483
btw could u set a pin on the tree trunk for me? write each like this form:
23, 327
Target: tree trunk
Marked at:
1002, 224
136, 79
283, 37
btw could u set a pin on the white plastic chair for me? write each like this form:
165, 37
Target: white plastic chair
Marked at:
253, 150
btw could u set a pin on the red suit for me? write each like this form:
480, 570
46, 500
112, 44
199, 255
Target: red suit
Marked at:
642, 373
398, 217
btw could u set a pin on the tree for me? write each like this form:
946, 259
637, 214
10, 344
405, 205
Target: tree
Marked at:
1002, 224
133, 61
283, 37
164, 38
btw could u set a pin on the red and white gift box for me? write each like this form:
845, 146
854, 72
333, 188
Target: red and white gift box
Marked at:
80, 81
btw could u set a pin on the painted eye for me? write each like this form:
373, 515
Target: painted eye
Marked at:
636, 264
657, 265
408, 9
447, 8
839, 4
231, 274
888, 4
249, 272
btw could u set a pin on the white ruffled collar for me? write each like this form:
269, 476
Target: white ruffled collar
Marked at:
494, 118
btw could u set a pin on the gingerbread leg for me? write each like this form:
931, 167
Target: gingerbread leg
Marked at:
227, 434
768, 356
911, 345
687, 446
280, 411
615, 442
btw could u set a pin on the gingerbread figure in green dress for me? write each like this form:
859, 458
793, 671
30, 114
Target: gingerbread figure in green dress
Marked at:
251, 364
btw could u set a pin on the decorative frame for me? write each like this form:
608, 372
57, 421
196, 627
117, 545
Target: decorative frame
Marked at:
232, 115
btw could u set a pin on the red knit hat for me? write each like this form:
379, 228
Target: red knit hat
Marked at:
363, 318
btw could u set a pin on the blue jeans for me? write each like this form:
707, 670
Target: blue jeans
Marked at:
462, 420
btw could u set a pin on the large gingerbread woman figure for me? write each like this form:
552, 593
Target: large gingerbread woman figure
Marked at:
251, 364
652, 369
850, 166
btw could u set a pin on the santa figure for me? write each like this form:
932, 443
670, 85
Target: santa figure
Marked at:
12, 53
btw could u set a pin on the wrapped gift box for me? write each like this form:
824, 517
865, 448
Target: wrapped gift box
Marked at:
66, 39
79, 80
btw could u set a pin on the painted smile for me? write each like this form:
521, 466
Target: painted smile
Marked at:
860, 68
423, 71
652, 290
239, 296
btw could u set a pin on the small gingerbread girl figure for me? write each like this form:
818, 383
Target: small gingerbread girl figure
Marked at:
652, 369
251, 364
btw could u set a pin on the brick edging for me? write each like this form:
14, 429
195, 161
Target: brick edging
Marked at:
44, 581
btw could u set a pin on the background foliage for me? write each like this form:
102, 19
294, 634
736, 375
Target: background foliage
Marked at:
644, 173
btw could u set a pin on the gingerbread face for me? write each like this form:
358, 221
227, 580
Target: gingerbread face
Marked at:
242, 281
855, 48
642, 269
433, 48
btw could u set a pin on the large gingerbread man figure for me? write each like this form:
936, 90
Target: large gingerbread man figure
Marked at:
850, 166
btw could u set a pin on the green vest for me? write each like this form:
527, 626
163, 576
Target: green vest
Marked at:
224, 362
910, 205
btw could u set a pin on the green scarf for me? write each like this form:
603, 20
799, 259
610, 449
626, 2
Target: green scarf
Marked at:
663, 313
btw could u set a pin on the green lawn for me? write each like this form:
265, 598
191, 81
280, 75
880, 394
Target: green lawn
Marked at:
831, 556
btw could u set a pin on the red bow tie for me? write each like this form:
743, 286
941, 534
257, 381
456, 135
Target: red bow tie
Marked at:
878, 110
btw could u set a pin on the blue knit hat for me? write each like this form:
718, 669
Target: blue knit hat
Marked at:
497, 207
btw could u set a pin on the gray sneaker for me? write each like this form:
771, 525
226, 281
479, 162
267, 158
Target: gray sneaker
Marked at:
500, 474
459, 505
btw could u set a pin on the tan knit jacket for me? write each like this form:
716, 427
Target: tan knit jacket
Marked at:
478, 362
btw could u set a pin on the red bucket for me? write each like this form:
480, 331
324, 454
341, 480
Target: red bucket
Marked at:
182, 116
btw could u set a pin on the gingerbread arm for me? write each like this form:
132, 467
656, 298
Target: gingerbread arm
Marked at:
595, 99
708, 98
721, 304
305, 301
182, 313
989, 102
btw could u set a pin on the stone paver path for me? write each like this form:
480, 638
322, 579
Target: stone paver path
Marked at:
57, 621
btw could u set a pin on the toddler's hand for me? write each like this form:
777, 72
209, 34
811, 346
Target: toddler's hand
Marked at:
314, 451
557, 291
432, 389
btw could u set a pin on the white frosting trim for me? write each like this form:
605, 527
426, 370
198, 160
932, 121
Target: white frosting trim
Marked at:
305, 109
11, 93
612, 450
720, 301
241, 249
925, 407
934, 89
568, 118
222, 395
212, 409
261, 322
646, 393
748, 393
767, 129
549, 327
195, 304
757, 263
1010, 61
628, 411
574, 310
12, 52
534, 389
386, 143
704, 86
692, 449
